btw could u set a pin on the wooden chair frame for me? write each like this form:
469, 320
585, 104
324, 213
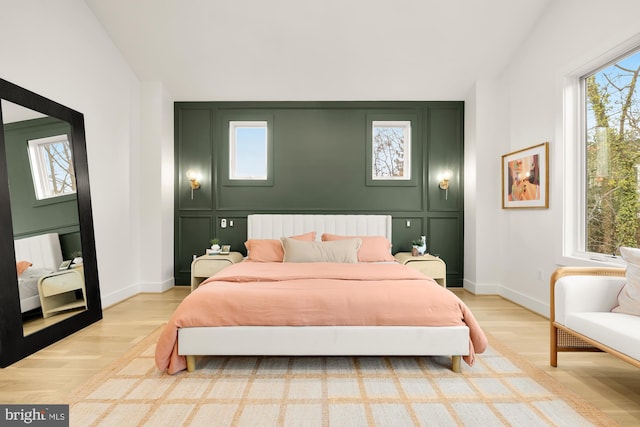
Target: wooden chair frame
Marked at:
564, 339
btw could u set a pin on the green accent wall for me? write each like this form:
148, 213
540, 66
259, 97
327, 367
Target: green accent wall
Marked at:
320, 158
29, 215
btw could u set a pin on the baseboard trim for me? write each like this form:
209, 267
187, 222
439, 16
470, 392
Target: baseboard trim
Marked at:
481, 288
157, 287
540, 307
151, 287
116, 297
535, 305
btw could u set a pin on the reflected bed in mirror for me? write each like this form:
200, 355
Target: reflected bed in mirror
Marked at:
44, 211
50, 287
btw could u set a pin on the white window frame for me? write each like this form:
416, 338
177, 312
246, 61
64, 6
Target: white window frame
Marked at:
41, 182
572, 168
406, 126
233, 126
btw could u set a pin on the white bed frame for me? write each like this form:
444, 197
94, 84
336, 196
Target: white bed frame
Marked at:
43, 251
322, 340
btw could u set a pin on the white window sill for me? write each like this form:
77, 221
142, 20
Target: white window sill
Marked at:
591, 261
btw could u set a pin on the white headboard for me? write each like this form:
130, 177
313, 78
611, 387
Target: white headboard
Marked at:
274, 226
42, 251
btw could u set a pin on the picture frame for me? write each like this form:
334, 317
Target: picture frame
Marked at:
65, 265
225, 250
525, 178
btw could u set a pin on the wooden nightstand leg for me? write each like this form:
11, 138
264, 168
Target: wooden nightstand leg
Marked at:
455, 363
191, 363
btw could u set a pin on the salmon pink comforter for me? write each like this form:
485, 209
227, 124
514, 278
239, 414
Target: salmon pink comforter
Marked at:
304, 294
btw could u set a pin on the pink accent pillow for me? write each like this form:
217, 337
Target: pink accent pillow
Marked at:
21, 266
373, 248
270, 250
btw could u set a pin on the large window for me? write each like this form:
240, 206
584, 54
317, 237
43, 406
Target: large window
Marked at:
52, 166
612, 154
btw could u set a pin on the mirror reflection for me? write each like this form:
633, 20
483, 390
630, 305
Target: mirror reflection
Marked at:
45, 218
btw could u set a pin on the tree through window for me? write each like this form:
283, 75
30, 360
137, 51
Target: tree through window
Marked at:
391, 150
612, 156
52, 166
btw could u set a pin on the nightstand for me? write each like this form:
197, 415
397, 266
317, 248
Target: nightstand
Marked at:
62, 290
206, 266
428, 265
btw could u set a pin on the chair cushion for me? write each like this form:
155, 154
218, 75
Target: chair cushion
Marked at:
616, 330
585, 294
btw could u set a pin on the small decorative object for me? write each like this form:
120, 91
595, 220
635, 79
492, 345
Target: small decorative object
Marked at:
65, 265
215, 245
419, 247
225, 250
525, 178
77, 257
422, 249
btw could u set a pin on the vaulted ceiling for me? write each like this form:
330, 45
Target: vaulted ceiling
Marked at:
317, 49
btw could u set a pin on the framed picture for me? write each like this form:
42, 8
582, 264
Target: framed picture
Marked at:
225, 249
525, 178
65, 265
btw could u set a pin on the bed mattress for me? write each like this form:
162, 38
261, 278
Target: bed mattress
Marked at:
316, 294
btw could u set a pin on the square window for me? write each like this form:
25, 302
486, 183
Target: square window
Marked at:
51, 163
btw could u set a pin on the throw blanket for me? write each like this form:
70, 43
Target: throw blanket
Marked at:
304, 294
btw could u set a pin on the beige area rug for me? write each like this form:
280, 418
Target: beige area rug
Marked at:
500, 389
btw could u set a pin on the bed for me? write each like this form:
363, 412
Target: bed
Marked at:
314, 307
38, 256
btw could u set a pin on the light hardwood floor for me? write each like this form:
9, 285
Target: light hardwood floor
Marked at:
49, 375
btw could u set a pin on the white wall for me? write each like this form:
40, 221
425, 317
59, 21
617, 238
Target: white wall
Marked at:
156, 188
486, 118
571, 34
59, 50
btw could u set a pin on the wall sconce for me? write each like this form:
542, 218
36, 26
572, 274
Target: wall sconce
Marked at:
192, 176
444, 183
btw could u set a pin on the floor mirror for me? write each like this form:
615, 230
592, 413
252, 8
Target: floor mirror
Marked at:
49, 279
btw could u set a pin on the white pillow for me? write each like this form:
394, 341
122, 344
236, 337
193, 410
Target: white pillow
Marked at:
345, 251
629, 296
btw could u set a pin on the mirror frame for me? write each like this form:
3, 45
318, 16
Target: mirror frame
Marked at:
14, 345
